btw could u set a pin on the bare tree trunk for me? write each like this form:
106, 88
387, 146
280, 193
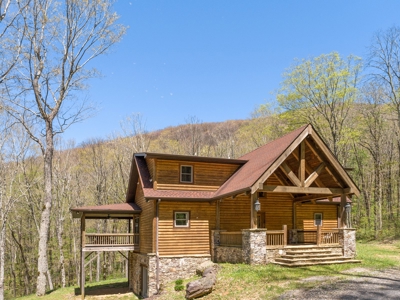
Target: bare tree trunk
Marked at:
43, 267
2, 260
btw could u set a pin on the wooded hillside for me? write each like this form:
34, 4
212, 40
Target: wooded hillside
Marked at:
358, 120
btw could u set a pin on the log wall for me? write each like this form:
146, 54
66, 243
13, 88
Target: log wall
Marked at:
186, 241
305, 216
235, 213
146, 222
204, 174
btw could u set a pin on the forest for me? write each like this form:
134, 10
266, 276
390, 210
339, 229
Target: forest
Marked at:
353, 102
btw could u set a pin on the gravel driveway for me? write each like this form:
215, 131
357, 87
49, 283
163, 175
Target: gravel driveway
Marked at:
361, 284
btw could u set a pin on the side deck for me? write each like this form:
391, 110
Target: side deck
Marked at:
110, 242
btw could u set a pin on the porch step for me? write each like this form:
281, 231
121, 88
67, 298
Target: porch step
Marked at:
307, 264
308, 252
310, 255
302, 256
310, 259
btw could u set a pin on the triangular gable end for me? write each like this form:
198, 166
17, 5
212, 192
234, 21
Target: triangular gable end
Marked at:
301, 184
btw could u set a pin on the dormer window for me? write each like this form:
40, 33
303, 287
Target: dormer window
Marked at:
186, 174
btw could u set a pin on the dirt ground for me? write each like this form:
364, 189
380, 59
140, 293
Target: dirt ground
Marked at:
361, 284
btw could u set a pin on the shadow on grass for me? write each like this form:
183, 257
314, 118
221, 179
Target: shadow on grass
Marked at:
105, 289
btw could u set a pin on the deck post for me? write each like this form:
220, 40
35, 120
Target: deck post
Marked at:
83, 242
284, 228
253, 213
343, 201
318, 235
218, 215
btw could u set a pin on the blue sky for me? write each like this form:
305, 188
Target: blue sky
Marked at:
217, 60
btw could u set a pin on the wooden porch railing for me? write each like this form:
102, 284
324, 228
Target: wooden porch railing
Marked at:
319, 236
277, 238
111, 239
230, 239
329, 237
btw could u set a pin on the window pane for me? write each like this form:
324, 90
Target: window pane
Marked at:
180, 216
186, 169
181, 222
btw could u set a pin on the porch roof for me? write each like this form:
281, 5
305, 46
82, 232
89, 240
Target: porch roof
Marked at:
118, 210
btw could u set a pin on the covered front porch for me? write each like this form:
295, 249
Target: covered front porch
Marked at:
290, 248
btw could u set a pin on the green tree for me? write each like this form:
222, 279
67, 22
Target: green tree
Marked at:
321, 91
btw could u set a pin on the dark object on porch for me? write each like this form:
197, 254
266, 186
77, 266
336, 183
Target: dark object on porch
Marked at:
204, 285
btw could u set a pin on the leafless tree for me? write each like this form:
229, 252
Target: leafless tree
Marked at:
60, 39
134, 128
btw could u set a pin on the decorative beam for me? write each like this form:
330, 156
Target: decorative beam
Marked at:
302, 190
326, 167
289, 173
312, 197
314, 175
282, 158
302, 167
308, 169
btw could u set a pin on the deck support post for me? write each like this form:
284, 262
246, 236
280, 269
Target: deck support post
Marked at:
253, 213
284, 228
343, 201
319, 235
83, 242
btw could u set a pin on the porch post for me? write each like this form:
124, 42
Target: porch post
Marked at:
343, 200
253, 213
83, 242
218, 222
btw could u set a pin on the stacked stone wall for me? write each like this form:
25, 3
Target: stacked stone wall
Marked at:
180, 267
347, 239
254, 242
171, 268
231, 255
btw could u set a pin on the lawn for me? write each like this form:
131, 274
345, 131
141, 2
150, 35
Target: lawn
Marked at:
240, 281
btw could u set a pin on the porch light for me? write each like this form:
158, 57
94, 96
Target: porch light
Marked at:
257, 205
348, 208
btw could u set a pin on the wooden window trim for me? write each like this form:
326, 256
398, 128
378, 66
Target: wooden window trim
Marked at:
191, 175
188, 219
322, 218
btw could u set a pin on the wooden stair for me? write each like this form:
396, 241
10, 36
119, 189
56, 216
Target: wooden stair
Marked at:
303, 256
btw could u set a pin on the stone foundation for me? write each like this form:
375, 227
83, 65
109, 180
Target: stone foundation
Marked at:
347, 239
136, 262
231, 255
171, 268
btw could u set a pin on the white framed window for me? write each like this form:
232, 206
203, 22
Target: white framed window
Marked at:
317, 219
181, 219
186, 174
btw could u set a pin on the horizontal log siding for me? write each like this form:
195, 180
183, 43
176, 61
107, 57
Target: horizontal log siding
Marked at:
278, 209
305, 216
146, 222
205, 174
235, 213
186, 241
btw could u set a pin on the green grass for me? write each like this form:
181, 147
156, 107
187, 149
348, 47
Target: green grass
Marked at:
92, 290
240, 281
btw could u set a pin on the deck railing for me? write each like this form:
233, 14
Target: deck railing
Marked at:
329, 237
111, 239
230, 239
319, 236
277, 238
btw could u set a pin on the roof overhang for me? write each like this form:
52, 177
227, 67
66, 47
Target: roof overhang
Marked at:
109, 211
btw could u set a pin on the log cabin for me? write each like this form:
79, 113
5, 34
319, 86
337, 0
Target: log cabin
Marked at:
287, 202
